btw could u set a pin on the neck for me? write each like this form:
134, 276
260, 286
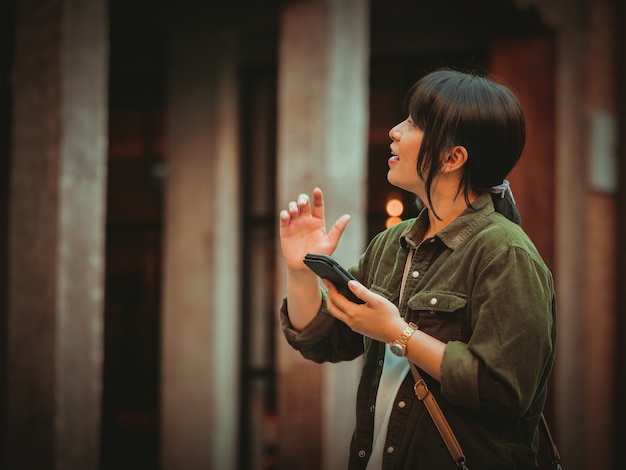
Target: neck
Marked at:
447, 206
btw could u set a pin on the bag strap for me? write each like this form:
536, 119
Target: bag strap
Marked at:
556, 456
423, 394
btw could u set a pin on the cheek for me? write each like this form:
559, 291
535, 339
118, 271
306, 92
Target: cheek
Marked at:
412, 147
411, 161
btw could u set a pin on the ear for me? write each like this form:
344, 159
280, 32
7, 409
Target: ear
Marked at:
455, 159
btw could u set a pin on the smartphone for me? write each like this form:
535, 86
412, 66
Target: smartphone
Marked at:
327, 268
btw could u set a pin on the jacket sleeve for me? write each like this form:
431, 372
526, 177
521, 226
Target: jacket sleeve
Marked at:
325, 339
511, 350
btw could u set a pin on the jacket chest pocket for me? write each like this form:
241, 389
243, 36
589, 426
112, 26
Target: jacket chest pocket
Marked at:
439, 314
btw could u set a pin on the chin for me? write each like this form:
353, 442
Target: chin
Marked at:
397, 184
393, 179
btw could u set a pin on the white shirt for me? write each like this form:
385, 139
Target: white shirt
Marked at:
394, 371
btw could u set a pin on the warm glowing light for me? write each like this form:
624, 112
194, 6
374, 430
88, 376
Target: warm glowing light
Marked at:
392, 221
394, 207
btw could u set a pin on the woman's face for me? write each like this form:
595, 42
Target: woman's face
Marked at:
406, 140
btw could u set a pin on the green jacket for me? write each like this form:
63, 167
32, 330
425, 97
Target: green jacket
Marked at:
480, 286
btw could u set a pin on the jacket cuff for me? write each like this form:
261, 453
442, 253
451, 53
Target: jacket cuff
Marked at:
320, 327
459, 375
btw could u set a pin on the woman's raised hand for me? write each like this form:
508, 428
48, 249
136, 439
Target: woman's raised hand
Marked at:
303, 230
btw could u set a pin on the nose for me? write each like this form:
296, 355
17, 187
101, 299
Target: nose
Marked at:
394, 132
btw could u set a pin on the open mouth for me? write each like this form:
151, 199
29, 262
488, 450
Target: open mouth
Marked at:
394, 157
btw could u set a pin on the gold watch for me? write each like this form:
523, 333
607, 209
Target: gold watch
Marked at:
398, 346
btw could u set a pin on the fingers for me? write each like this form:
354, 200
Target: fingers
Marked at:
333, 294
303, 204
338, 228
284, 218
338, 300
311, 211
302, 207
299, 207
359, 290
295, 209
343, 309
318, 203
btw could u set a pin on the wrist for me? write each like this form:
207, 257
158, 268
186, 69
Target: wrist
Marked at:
298, 275
302, 281
399, 345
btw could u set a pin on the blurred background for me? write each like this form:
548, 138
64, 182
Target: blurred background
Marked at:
146, 149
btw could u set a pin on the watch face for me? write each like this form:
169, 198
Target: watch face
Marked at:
397, 349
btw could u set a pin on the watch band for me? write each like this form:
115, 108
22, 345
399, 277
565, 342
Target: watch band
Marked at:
398, 346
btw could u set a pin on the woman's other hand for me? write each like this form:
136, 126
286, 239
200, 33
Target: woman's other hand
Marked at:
303, 230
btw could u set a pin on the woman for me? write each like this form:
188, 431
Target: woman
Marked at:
478, 313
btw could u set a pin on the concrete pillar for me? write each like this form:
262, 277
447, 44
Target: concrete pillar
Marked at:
322, 141
56, 235
200, 309
570, 224
601, 303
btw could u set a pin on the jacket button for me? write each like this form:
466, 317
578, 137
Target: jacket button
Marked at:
362, 453
372, 408
390, 450
401, 404
433, 301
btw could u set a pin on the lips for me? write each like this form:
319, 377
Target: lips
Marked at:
393, 160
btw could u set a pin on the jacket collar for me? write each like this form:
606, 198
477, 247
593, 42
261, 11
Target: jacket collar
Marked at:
455, 233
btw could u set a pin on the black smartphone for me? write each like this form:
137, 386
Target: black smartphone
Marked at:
327, 268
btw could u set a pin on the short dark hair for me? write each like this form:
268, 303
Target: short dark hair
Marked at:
456, 108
